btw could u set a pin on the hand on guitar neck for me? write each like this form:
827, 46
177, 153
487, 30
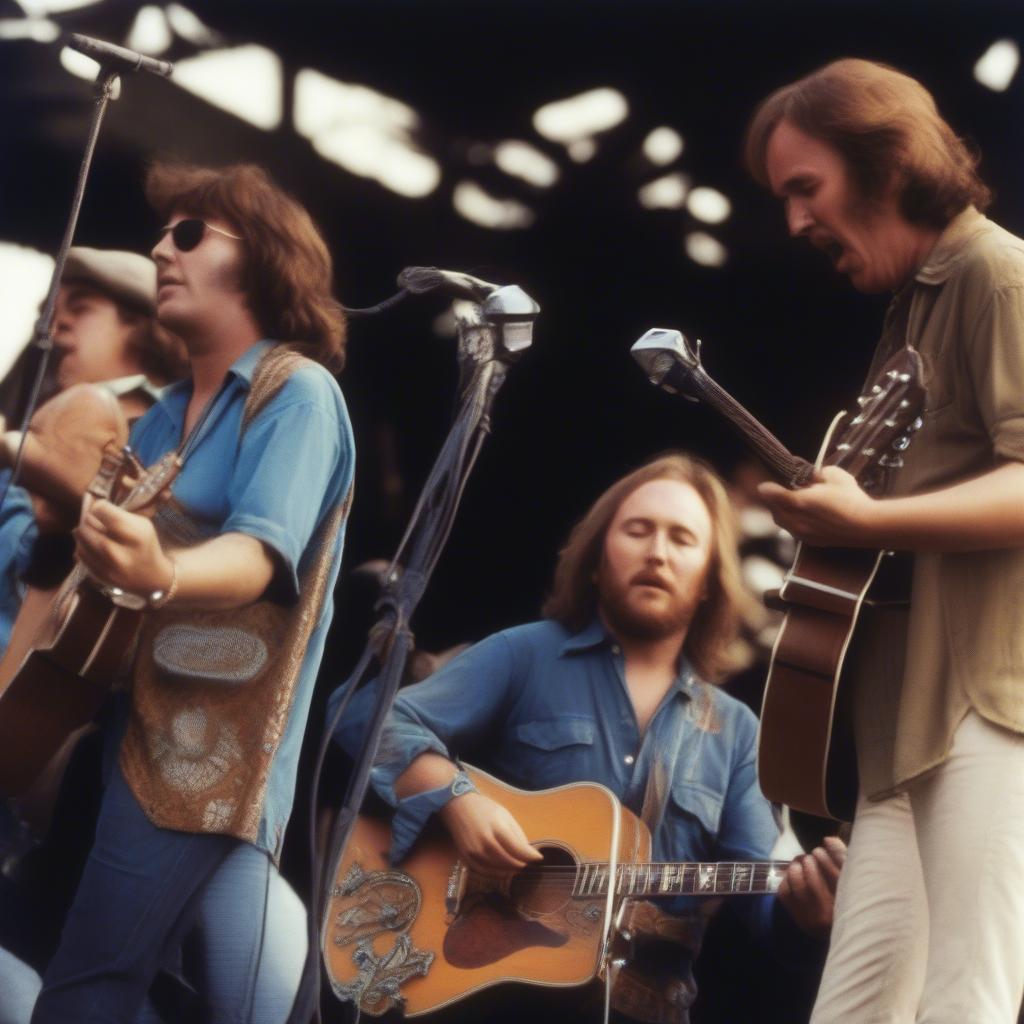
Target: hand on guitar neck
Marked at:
121, 549
809, 888
833, 511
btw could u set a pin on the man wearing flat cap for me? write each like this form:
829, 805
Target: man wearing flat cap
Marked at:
111, 358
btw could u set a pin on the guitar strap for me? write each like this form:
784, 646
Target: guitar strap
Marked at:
649, 986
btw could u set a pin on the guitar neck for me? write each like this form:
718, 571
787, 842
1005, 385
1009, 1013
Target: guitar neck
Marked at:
787, 468
715, 878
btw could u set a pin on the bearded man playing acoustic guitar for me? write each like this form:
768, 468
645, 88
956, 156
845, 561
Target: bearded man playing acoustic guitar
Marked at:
930, 910
609, 688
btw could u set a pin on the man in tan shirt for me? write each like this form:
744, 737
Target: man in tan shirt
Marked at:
930, 912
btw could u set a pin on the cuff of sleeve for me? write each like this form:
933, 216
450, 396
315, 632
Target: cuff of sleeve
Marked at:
411, 815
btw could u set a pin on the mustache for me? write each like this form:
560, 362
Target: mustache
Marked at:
649, 579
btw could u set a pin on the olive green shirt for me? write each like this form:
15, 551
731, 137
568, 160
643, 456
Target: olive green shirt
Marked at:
960, 644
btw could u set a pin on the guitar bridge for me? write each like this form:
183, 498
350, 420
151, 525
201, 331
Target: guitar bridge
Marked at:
455, 889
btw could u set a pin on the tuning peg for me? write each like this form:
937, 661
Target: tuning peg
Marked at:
891, 461
917, 424
902, 443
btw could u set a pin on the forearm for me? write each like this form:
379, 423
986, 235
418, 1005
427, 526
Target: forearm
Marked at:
226, 572
986, 513
426, 772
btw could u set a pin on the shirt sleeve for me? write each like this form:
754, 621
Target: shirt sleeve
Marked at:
290, 460
995, 364
749, 831
450, 711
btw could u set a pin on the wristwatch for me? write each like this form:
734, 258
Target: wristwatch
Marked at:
462, 783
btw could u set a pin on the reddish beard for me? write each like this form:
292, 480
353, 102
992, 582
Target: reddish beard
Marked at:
628, 619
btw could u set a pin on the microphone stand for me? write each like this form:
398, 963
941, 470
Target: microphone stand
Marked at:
492, 335
42, 338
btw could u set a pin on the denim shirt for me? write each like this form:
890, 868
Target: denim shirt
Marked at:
18, 534
276, 481
539, 706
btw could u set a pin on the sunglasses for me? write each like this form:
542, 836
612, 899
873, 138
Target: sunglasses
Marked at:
188, 233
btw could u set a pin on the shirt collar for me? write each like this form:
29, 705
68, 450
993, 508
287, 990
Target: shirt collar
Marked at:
595, 635
175, 396
949, 249
245, 365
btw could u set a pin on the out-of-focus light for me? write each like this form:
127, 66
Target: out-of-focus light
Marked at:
708, 205
78, 64
39, 30
369, 153
364, 131
705, 250
150, 32
24, 279
998, 64
582, 150
477, 206
190, 28
579, 117
40, 8
662, 146
322, 103
666, 193
522, 160
243, 80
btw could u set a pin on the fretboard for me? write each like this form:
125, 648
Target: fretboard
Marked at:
716, 878
786, 467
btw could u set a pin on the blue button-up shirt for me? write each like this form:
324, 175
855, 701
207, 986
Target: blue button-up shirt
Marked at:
276, 481
18, 534
539, 706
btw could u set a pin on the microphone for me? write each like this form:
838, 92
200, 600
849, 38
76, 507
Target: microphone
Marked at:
668, 359
117, 57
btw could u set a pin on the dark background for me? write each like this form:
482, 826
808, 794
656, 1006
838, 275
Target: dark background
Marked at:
781, 331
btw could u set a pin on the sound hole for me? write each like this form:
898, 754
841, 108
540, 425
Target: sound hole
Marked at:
545, 887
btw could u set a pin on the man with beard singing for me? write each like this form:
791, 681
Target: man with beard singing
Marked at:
610, 688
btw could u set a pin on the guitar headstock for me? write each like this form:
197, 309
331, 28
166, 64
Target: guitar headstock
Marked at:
660, 351
872, 440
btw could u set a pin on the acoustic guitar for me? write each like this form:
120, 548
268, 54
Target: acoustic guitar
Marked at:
806, 755
70, 644
432, 932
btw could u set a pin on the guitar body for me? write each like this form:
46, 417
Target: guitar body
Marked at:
806, 753
428, 933
68, 645
66, 648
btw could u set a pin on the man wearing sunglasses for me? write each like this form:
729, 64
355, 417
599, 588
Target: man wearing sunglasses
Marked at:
238, 580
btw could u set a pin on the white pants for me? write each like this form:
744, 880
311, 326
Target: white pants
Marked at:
929, 923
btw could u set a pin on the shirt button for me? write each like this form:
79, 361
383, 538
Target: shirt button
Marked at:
616, 649
629, 759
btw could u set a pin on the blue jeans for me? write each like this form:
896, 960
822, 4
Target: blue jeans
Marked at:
19, 985
143, 889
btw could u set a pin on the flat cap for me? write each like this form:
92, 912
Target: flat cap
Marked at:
125, 275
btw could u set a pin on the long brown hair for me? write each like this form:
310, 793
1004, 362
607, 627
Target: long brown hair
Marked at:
574, 597
889, 132
288, 266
